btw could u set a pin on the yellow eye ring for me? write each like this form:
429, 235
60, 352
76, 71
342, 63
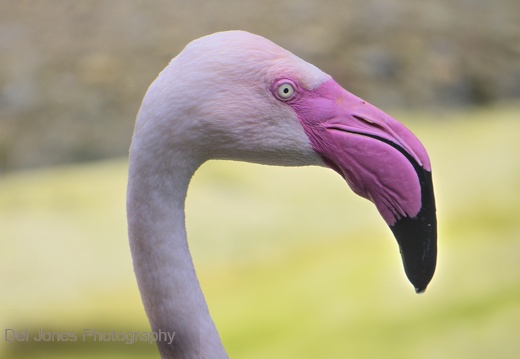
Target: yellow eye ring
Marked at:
285, 91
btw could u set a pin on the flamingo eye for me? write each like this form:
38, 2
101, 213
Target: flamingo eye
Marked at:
285, 91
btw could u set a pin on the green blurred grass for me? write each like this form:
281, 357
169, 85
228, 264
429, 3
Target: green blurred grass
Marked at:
293, 264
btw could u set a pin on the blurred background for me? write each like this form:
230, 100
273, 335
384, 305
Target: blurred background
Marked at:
292, 263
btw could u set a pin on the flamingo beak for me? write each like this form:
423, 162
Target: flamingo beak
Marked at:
382, 161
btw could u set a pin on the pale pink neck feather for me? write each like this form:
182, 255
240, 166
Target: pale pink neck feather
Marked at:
162, 262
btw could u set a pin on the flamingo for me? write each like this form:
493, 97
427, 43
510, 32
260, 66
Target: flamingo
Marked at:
237, 96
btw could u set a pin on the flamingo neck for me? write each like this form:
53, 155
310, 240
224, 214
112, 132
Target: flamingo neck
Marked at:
166, 277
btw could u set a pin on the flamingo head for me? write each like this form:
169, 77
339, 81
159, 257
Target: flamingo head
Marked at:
235, 95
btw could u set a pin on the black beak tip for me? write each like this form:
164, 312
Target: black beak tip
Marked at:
417, 238
418, 247
420, 284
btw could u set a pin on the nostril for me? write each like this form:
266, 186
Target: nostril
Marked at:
368, 122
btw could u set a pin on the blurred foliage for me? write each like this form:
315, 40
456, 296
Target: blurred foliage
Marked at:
73, 73
292, 263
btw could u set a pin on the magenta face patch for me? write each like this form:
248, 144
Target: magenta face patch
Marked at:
373, 152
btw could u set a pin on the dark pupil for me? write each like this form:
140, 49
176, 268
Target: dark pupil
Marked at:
285, 90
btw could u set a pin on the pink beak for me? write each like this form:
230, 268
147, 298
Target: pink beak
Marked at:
382, 161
